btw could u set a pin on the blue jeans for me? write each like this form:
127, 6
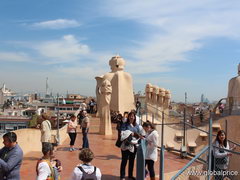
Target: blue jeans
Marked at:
85, 138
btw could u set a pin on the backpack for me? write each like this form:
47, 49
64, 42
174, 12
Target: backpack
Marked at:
86, 176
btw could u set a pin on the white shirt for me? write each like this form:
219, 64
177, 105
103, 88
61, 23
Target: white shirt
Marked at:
43, 171
152, 143
137, 120
72, 126
46, 131
77, 173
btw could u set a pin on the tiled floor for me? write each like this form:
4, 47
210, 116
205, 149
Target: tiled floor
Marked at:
107, 157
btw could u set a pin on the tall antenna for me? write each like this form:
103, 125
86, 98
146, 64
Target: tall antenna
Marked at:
185, 98
4, 87
47, 87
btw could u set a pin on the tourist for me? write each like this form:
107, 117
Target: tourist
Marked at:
83, 106
201, 115
151, 150
118, 127
45, 130
125, 115
221, 107
47, 168
72, 131
85, 128
138, 106
11, 156
136, 116
131, 124
128, 149
85, 170
91, 106
221, 156
192, 118
80, 117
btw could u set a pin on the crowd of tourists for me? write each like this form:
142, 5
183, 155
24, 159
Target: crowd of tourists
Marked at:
130, 134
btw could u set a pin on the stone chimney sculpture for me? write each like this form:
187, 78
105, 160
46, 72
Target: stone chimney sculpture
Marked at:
122, 98
148, 92
157, 101
234, 92
105, 98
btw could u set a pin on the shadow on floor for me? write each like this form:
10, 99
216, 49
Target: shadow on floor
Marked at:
31, 158
110, 138
110, 177
97, 133
108, 157
63, 149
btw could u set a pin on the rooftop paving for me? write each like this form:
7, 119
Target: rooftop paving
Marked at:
107, 156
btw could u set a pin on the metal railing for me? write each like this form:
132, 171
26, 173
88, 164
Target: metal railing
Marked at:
200, 163
191, 168
205, 164
188, 170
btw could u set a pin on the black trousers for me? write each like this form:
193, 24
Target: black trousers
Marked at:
127, 155
150, 166
72, 138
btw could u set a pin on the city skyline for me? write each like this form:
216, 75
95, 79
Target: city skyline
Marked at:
188, 46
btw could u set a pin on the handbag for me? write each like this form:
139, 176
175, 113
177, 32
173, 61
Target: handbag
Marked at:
126, 142
221, 161
118, 143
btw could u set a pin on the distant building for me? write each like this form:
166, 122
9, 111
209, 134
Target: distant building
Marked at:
12, 123
74, 96
1, 97
67, 109
204, 99
4, 93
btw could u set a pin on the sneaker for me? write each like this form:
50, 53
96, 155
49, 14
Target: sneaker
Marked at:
146, 173
71, 149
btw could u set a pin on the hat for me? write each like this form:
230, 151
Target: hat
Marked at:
125, 134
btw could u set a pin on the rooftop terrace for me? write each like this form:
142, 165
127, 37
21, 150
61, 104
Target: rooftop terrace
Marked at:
107, 157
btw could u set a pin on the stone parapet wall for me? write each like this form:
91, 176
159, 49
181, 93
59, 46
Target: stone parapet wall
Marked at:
29, 139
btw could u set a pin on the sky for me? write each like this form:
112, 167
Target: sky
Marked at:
184, 46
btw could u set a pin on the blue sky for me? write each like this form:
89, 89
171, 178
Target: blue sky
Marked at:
184, 46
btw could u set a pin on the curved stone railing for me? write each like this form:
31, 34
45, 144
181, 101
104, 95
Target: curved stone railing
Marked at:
29, 139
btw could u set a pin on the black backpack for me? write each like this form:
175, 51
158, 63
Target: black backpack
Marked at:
87, 176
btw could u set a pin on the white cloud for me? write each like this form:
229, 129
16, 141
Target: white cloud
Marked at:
56, 24
68, 48
175, 28
14, 57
